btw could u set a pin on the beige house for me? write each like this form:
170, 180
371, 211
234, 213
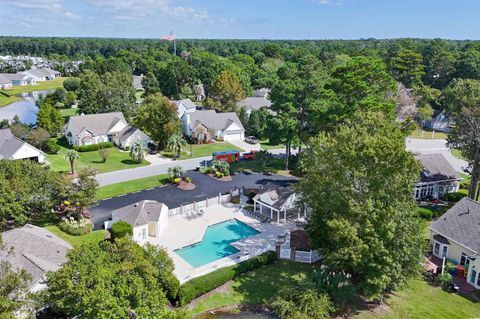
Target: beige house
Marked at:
208, 124
147, 217
455, 236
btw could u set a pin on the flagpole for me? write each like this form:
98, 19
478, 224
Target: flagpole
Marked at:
174, 43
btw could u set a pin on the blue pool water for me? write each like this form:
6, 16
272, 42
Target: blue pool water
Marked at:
216, 243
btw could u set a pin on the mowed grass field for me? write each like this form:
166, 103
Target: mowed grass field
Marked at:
117, 159
203, 150
131, 186
39, 86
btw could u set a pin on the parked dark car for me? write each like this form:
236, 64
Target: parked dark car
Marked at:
251, 140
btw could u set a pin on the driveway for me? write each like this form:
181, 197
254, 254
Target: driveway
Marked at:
206, 187
246, 146
424, 146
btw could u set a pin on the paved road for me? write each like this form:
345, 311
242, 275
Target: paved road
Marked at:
424, 146
157, 169
206, 187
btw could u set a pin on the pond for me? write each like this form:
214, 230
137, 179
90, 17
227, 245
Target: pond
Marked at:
238, 315
25, 108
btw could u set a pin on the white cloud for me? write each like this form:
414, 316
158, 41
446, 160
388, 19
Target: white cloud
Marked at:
51, 5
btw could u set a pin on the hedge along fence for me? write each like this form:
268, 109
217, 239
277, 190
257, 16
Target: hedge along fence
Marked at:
94, 147
203, 284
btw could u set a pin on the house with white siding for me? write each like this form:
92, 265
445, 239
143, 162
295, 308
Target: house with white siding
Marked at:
5, 82
437, 177
184, 106
148, 218
43, 74
103, 127
13, 148
208, 124
19, 79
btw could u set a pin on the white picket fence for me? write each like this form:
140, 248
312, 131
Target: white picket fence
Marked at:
195, 206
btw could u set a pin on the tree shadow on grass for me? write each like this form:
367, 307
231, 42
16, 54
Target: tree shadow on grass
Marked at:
129, 162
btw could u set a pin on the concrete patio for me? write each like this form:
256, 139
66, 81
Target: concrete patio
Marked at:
186, 229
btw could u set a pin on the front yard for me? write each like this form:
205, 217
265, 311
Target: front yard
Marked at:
202, 150
117, 159
422, 134
131, 186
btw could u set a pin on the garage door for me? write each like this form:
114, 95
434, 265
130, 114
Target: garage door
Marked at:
232, 136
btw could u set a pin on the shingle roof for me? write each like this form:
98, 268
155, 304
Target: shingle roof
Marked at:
436, 168
213, 120
254, 103
4, 79
9, 144
278, 194
15, 76
461, 223
36, 250
43, 72
140, 213
98, 124
186, 102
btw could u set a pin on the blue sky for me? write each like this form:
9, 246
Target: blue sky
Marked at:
275, 19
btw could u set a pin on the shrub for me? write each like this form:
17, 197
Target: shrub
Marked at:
127, 148
449, 267
121, 229
103, 152
444, 279
424, 213
52, 147
76, 147
454, 197
177, 180
94, 147
218, 174
235, 200
74, 227
201, 285
208, 170
464, 184
188, 179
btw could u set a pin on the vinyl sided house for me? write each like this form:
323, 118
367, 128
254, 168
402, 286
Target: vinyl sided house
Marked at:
455, 236
5, 82
36, 250
13, 148
103, 127
43, 74
254, 103
184, 106
148, 218
437, 177
207, 125
19, 79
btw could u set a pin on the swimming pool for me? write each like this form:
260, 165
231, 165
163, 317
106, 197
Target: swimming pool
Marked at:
216, 242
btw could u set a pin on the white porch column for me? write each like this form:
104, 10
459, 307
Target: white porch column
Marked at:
285, 215
271, 212
254, 206
278, 216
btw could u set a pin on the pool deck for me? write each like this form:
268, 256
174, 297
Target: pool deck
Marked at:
186, 229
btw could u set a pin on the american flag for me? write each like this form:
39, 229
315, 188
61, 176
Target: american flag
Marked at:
170, 37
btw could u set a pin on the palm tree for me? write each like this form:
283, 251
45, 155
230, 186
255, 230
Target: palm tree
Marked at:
175, 142
221, 166
72, 155
176, 172
138, 151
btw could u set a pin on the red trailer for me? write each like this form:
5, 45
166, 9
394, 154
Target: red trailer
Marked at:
250, 155
229, 156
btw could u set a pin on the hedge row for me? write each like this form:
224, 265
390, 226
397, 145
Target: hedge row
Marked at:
121, 229
76, 231
424, 213
94, 147
454, 197
201, 285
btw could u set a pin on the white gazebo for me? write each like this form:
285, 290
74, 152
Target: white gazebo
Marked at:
277, 199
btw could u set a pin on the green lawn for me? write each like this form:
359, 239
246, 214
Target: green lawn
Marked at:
66, 113
130, 186
44, 85
255, 287
117, 160
265, 145
457, 154
275, 165
417, 300
420, 300
427, 135
94, 237
203, 150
